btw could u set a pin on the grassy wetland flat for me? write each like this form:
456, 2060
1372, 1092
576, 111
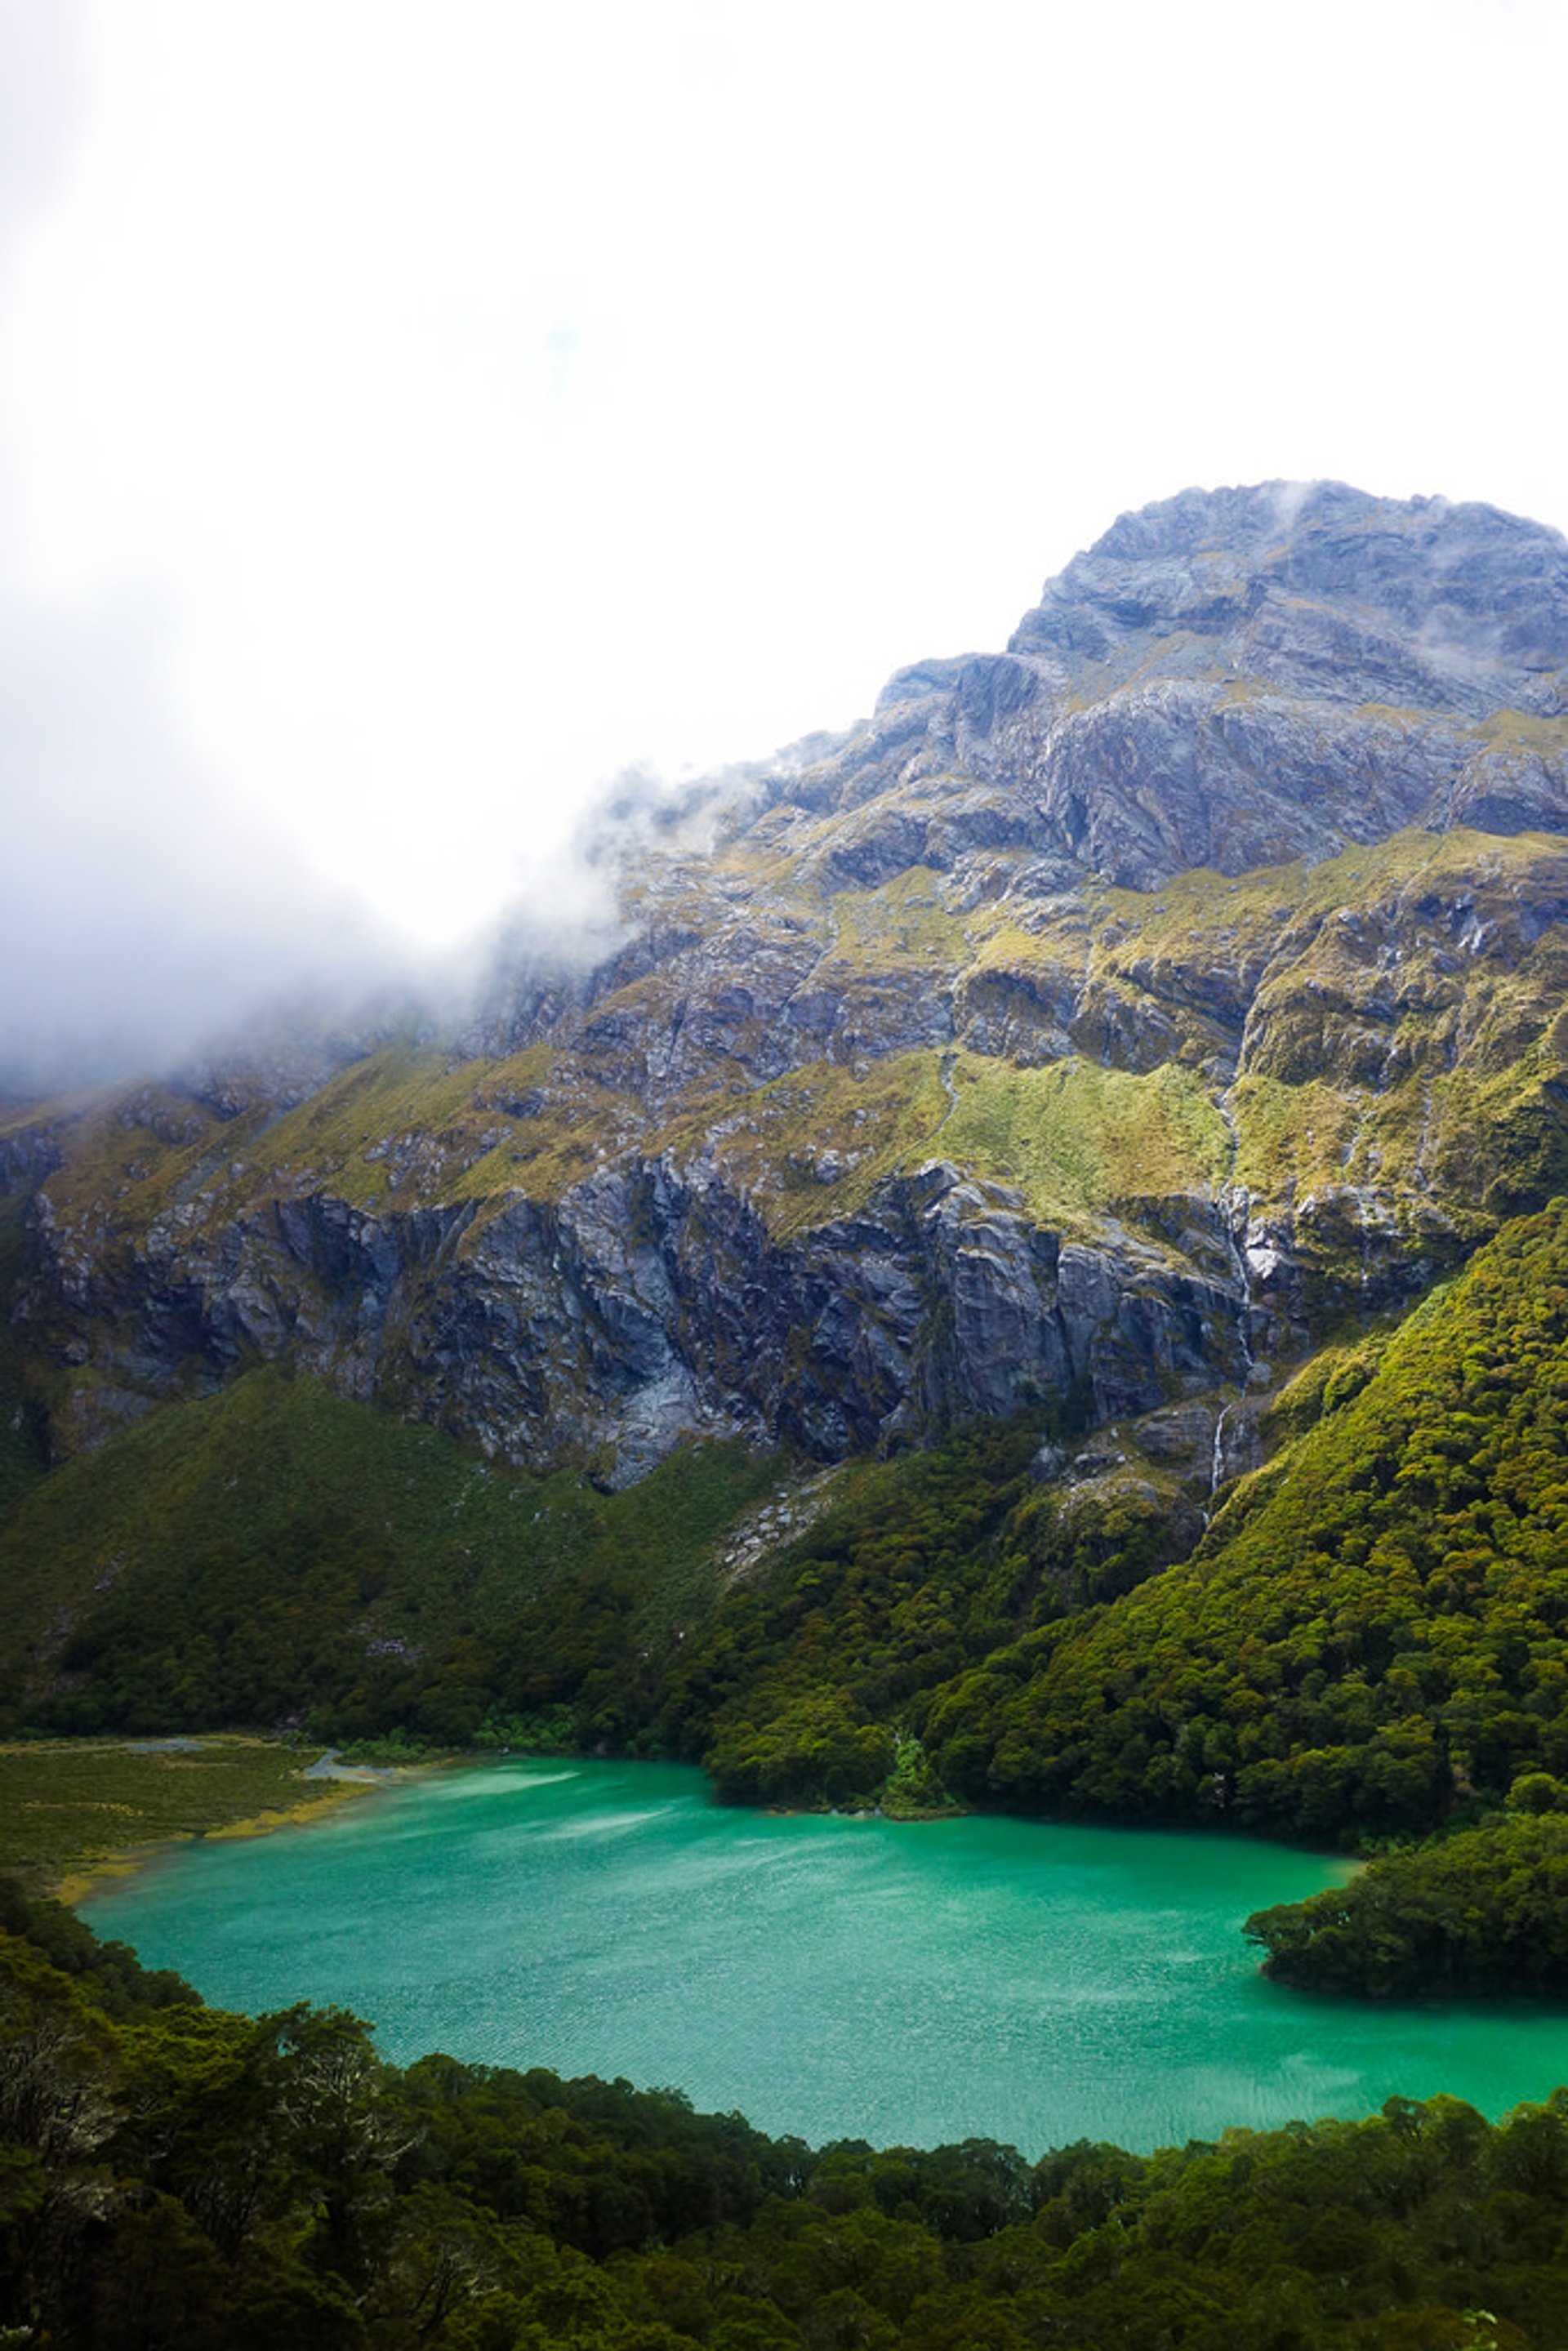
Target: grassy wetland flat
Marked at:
74, 1810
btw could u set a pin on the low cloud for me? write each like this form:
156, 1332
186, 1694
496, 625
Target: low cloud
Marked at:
146, 922
138, 915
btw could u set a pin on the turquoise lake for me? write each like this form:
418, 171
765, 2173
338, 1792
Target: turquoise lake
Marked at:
906, 1983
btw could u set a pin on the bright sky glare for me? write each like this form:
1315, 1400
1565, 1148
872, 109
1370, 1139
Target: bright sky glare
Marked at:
449, 406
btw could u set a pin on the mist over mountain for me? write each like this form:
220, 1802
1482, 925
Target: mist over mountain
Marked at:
146, 919
1008, 1257
1228, 679
1094, 1018
139, 916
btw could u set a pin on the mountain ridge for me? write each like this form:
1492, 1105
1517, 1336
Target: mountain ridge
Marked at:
932, 1083
890, 1123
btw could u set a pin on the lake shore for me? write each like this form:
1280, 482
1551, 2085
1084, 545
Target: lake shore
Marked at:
76, 1814
830, 1976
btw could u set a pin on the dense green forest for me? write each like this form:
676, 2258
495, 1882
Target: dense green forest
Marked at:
1372, 1633
172, 2176
1483, 1911
275, 1554
252, 1557
1371, 1638
807, 1682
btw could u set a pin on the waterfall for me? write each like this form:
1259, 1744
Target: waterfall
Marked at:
1235, 1202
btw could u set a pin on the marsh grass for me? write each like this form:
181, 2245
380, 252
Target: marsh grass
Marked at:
71, 1810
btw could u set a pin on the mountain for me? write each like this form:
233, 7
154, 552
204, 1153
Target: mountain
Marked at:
1028, 1273
829, 1333
1106, 1016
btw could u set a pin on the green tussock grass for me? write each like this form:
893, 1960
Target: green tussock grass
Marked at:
1394, 713
1200, 902
401, 1127
1079, 1141
903, 925
139, 1153
348, 1131
1523, 730
882, 1117
1054, 943
1293, 1140
542, 1157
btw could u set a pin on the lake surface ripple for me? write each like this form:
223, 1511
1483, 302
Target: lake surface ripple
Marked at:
905, 1983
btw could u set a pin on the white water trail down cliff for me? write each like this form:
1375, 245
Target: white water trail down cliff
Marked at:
1234, 1205
949, 1087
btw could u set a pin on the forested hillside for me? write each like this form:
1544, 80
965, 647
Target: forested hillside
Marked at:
1367, 1639
1371, 1631
173, 2175
1485, 1910
1024, 1266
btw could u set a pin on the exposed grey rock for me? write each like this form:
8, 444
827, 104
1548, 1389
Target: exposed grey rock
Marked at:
1181, 1433
1232, 679
650, 1305
1474, 589
29, 1155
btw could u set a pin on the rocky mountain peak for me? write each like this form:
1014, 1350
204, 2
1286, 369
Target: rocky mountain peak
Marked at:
1229, 679
1102, 1019
1476, 601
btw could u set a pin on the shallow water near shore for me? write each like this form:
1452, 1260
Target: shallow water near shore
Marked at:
905, 1983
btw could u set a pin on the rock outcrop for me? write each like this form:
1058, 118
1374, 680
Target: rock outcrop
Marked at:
1095, 1022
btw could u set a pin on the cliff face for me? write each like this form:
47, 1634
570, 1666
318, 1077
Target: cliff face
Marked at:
1100, 1016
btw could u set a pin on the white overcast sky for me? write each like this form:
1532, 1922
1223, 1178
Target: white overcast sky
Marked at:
409, 413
